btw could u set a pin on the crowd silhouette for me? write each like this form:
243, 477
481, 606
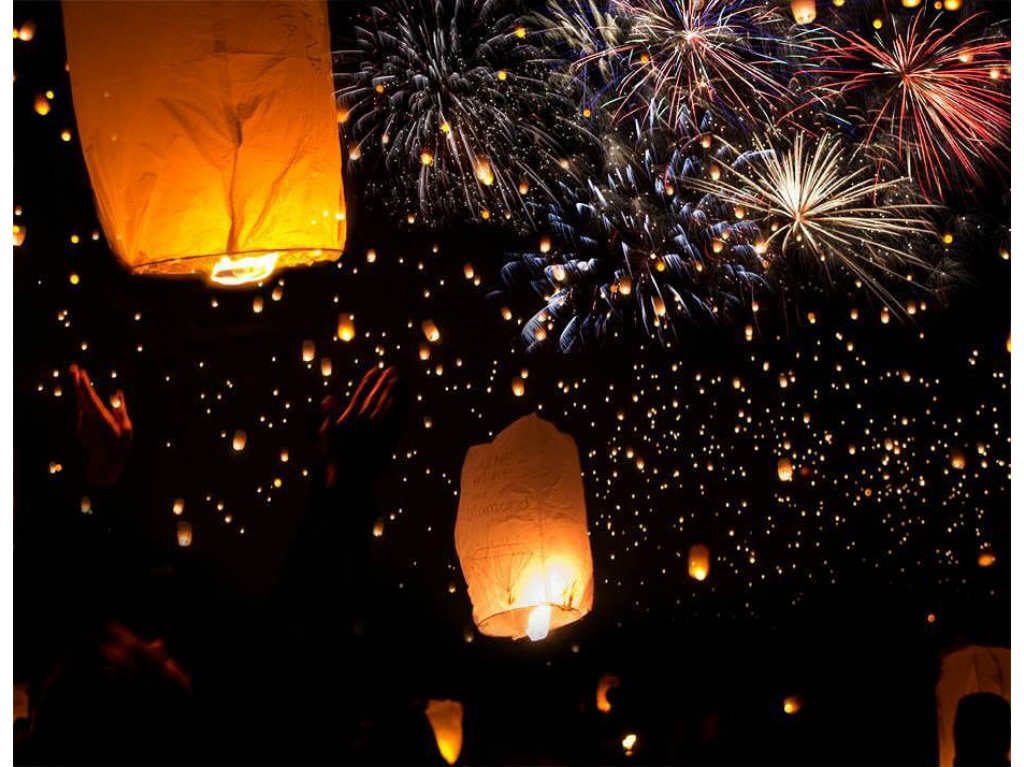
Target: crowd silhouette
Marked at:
314, 676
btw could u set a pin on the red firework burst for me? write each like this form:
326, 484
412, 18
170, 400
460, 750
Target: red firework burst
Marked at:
941, 99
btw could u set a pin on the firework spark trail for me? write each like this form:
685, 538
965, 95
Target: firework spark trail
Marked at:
629, 250
808, 197
934, 94
672, 58
459, 106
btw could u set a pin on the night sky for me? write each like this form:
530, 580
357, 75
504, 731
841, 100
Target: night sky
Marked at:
842, 586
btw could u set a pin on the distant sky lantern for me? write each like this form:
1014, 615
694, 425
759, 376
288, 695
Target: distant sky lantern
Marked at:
308, 351
699, 562
986, 558
605, 685
785, 470
521, 532
804, 11
430, 331
184, 532
238, 441
210, 134
792, 704
445, 717
346, 327
629, 743
484, 173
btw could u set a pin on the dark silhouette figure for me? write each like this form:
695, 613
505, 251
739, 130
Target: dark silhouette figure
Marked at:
981, 731
115, 698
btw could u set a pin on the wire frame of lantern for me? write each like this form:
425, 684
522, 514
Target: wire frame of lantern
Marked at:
210, 134
521, 532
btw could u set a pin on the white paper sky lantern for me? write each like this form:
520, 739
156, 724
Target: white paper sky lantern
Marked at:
521, 532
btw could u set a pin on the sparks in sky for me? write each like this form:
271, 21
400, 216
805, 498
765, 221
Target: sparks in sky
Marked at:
674, 58
630, 252
939, 97
812, 198
451, 111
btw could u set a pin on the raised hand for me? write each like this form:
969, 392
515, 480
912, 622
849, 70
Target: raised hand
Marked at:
354, 438
105, 432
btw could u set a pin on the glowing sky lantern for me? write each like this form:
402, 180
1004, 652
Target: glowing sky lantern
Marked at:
605, 685
521, 532
184, 534
804, 11
629, 743
346, 327
430, 331
445, 717
785, 470
210, 134
698, 562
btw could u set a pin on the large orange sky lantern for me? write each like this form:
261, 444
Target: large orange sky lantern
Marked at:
210, 134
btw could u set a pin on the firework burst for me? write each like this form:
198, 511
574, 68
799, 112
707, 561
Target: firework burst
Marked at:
630, 253
458, 107
939, 98
812, 199
668, 59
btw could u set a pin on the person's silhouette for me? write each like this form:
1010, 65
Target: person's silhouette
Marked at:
981, 731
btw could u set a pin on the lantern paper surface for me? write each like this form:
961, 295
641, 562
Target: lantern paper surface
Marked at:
521, 532
445, 717
210, 133
970, 670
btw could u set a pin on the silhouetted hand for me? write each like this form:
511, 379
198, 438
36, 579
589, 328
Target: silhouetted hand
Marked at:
105, 433
355, 438
122, 648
